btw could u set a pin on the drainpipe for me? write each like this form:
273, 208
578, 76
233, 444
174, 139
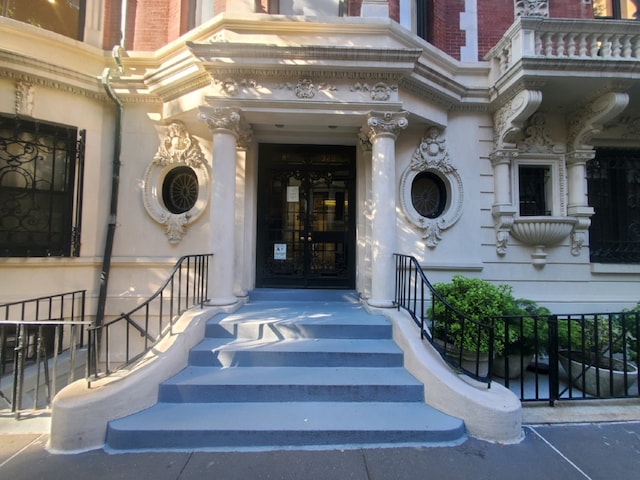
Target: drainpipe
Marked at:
115, 175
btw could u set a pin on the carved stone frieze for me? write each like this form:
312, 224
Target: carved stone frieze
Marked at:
380, 91
432, 156
177, 149
532, 8
232, 88
305, 88
25, 98
537, 136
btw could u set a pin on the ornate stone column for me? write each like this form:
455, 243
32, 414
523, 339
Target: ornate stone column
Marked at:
224, 124
382, 130
502, 209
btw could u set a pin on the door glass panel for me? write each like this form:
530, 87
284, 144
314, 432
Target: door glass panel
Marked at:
306, 233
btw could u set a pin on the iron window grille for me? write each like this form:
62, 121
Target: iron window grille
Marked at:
613, 180
41, 182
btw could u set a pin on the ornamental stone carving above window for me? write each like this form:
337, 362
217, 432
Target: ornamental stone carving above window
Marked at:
431, 193
176, 183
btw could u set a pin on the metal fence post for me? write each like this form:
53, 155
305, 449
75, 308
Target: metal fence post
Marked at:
554, 382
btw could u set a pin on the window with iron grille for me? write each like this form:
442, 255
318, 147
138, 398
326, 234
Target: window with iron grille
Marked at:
41, 169
613, 179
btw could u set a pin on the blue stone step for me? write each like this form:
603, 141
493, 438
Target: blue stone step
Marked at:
295, 353
289, 323
188, 426
283, 384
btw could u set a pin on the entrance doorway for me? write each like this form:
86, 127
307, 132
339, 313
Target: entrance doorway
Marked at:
306, 216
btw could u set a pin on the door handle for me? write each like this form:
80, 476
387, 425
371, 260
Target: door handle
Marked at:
308, 238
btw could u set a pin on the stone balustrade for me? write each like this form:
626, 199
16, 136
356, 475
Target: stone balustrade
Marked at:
597, 40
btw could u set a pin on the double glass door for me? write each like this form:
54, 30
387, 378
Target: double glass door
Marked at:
306, 228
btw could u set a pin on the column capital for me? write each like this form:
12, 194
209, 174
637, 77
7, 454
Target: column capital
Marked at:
387, 124
503, 156
579, 157
220, 119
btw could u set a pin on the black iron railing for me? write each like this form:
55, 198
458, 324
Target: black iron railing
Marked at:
571, 357
121, 341
42, 348
464, 343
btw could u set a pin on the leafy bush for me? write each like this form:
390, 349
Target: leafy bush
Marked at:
482, 302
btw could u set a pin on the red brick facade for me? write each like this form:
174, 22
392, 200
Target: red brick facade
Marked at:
494, 18
153, 23
570, 9
445, 26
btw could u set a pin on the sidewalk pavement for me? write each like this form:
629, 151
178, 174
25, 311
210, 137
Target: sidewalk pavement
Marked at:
606, 450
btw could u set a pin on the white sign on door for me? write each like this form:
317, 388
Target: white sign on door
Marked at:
280, 251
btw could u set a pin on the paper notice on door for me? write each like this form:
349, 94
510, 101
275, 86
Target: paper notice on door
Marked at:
280, 251
293, 194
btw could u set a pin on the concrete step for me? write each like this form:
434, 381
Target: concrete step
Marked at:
291, 368
295, 353
291, 384
188, 426
280, 323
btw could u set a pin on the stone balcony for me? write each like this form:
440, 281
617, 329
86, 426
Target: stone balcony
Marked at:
587, 55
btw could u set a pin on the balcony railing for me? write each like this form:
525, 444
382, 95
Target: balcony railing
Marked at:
544, 38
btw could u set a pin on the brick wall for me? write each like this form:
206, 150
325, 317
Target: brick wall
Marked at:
394, 10
570, 9
445, 26
354, 7
494, 18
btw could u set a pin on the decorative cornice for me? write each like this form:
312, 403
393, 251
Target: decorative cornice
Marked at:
40, 81
216, 51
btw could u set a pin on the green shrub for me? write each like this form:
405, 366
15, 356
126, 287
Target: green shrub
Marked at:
482, 302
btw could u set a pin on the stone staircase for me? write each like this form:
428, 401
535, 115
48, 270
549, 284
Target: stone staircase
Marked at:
290, 369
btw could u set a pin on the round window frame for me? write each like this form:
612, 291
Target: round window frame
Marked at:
433, 227
154, 179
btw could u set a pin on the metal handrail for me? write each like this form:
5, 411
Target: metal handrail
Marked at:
415, 294
186, 287
34, 333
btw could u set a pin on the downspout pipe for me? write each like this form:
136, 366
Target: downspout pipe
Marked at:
115, 175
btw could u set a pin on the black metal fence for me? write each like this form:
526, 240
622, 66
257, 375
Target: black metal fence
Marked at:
464, 343
42, 348
571, 357
546, 357
121, 341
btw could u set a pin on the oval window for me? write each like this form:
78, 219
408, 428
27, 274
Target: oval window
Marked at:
428, 194
180, 190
